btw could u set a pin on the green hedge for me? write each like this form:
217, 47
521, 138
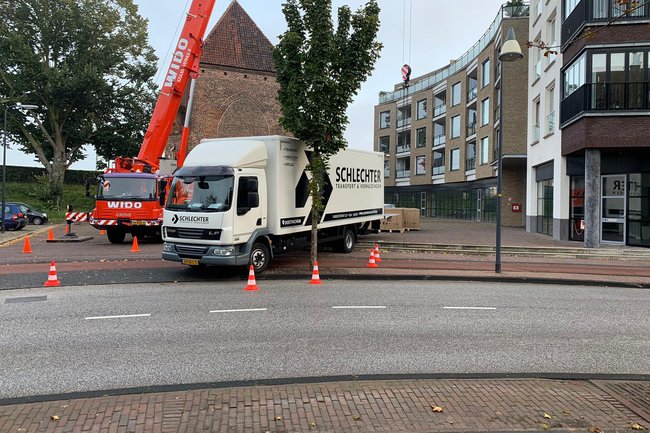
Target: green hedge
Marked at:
29, 174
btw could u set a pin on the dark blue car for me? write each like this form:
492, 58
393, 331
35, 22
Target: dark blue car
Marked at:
15, 219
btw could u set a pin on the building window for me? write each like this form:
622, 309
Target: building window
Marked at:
384, 119
550, 110
420, 137
438, 134
386, 168
574, 76
537, 61
422, 109
569, 6
638, 212
538, 8
470, 156
420, 164
485, 112
551, 36
545, 207
454, 163
536, 112
384, 144
403, 168
404, 116
618, 81
404, 141
485, 73
485, 150
606, 9
438, 161
471, 122
455, 127
455, 94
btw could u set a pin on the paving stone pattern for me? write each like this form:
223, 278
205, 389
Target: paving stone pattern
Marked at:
360, 406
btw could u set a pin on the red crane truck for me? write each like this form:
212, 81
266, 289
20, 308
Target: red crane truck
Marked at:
131, 195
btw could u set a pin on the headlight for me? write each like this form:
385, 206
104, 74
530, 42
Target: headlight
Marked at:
223, 251
45, 215
168, 248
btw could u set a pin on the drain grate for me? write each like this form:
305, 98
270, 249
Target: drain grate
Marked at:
26, 299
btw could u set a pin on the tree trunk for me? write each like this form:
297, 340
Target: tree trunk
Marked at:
315, 187
56, 177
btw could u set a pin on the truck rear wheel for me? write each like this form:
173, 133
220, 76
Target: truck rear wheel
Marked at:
260, 257
348, 241
115, 236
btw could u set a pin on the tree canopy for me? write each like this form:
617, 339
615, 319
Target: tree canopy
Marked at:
88, 66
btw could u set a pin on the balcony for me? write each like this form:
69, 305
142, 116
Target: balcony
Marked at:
536, 133
471, 93
550, 122
605, 97
439, 140
439, 110
403, 122
471, 129
438, 170
403, 148
401, 174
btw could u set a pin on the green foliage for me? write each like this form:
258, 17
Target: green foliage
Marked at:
48, 192
320, 69
30, 193
88, 65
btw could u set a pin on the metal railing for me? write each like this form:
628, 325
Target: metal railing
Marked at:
403, 122
439, 140
404, 148
471, 128
632, 96
439, 110
401, 174
441, 74
438, 170
470, 164
471, 93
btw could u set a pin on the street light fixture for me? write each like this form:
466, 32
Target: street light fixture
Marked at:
4, 157
510, 52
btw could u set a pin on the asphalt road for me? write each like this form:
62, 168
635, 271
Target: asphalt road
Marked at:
180, 333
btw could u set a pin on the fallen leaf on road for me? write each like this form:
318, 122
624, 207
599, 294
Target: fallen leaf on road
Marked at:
278, 418
637, 426
545, 426
313, 425
55, 418
436, 409
356, 417
547, 416
566, 412
595, 429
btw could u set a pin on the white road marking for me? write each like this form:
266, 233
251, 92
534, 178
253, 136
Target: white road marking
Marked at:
240, 310
118, 317
353, 307
469, 308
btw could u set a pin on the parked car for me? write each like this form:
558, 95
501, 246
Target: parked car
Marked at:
15, 219
34, 216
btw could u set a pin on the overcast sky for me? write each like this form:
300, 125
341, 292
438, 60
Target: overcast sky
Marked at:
436, 31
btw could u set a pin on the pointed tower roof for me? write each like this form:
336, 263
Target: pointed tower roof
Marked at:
237, 42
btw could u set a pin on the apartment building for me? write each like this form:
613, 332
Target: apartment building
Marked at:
547, 206
605, 121
440, 133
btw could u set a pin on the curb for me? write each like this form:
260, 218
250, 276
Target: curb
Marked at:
23, 235
586, 377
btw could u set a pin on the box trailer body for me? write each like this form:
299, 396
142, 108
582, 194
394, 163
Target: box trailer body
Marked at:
236, 197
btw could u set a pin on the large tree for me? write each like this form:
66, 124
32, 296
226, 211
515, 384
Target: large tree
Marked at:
88, 66
320, 69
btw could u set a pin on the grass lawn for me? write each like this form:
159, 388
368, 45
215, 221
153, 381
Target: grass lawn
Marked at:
74, 195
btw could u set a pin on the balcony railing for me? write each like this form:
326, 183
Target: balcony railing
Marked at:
439, 140
403, 148
538, 70
550, 122
471, 129
536, 131
606, 97
470, 164
401, 174
438, 170
403, 122
439, 110
471, 93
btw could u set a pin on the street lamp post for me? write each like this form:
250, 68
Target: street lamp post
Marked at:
510, 52
4, 157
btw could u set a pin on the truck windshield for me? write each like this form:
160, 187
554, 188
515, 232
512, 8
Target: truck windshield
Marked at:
201, 193
126, 188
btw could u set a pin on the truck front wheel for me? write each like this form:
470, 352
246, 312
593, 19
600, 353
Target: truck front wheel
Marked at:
260, 257
348, 241
115, 236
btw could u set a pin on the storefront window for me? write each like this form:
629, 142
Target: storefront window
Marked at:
577, 208
545, 207
638, 224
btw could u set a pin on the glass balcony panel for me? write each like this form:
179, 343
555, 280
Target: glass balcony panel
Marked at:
536, 132
471, 129
404, 148
439, 140
403, 173
550, 122
439, 110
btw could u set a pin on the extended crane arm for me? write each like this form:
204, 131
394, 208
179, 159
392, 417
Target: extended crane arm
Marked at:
184, 65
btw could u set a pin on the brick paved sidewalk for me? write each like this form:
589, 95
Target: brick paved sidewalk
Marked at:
359, 406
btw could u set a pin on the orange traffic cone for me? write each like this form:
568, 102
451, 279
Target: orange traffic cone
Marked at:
135, 248
102, 232
315, 277
52, 280
252, 285
377, 258
371, 261
50, 235
27, 247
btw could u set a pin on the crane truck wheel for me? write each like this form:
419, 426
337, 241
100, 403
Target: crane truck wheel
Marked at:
260, 257
348, 241
115, 236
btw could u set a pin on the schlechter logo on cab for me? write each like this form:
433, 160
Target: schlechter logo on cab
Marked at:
190, 219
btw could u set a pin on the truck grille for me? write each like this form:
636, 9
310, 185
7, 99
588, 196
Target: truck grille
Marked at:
187, 233
190, 250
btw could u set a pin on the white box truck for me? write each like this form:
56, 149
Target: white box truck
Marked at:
240, 201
